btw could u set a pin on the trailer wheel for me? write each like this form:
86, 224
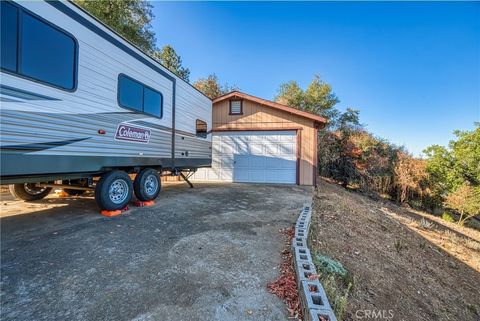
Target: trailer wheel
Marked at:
28, 191
113, 190
147, 185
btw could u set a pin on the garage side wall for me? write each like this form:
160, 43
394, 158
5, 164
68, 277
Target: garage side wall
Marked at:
258, 117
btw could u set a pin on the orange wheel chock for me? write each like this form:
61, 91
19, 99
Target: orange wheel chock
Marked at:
113, 213
142, 204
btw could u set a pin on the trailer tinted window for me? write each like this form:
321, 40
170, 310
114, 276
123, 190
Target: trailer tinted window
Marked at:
9, 34
135, 95
152, 102
201, 128
35, 49
47, 54
130, 93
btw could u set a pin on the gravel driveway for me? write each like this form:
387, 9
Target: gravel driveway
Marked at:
199, 254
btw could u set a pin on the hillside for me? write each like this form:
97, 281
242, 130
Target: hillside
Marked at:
407, 262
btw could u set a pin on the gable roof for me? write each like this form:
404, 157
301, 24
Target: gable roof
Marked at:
272, 104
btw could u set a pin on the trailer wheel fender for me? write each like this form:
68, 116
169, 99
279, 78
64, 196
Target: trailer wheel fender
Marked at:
114, 190
147, 184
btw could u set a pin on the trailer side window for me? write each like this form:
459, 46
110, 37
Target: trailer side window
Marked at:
9, 36
201, 128
130, 93
35, 49
152, 102
47, 54
139, 97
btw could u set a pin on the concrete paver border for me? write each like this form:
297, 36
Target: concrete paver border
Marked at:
313, 299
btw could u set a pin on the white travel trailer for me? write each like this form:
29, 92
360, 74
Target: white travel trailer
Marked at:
79, 102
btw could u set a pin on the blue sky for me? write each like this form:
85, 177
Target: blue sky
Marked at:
412, 69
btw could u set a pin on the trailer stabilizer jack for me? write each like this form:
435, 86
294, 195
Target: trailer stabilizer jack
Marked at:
186, 178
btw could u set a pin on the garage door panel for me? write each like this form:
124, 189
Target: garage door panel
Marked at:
271, 150
257, 176
214, 175
216, 149
257, 162
258, 157
226, 175
286, 149
242, 148
201, 174
227, 149
281, 176
278, 163
241, 161
242, 176
227, 161
256, 149
216, 162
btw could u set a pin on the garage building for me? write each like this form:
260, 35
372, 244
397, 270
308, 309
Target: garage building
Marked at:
259, 141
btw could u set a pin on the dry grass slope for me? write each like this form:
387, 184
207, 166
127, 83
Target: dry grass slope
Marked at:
421, 267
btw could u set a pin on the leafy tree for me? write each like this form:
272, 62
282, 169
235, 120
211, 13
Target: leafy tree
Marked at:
318, 98
130, 18
168, 57
440, 169
211, 87
466, 201
290, 94
459, 164
466, 152
348, 122
454, 172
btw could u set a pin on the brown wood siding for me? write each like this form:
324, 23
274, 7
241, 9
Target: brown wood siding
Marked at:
258, 117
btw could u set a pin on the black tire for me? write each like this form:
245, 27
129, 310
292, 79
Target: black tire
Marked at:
147, 185
119, 197
29, 192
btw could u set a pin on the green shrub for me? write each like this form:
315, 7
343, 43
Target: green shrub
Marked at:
327, 265
447, 217
336, 281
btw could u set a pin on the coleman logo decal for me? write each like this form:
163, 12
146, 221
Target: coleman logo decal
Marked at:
132, 134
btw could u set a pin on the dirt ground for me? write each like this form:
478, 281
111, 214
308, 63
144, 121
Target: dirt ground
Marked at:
406, 264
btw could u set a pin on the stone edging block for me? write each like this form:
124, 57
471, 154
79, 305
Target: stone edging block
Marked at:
313, 299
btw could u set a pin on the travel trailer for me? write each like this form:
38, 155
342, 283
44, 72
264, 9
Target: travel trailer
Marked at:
82, 108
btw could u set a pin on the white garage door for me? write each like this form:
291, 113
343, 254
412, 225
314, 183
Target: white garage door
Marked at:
256, 156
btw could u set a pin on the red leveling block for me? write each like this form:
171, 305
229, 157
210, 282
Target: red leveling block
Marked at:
113, 213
